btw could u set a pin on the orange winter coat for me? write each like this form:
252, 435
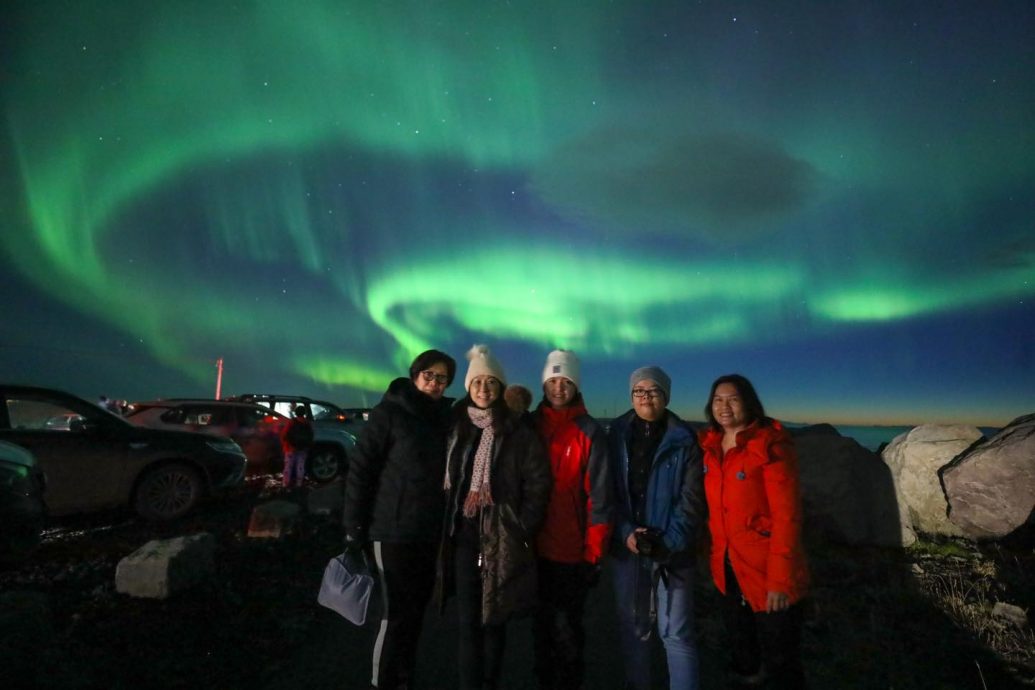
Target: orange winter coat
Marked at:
754, 512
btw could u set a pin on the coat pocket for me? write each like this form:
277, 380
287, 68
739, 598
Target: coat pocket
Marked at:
761, 524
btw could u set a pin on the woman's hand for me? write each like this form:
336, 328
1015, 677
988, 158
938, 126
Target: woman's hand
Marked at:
630, 541
776, 601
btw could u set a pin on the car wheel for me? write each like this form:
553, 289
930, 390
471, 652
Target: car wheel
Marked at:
323, 464
168, 492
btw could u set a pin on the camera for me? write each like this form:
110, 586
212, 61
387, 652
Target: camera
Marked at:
652, 544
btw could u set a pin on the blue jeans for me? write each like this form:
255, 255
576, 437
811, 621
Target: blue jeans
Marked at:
294, 467
675, 624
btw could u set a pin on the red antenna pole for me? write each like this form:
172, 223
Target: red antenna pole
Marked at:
219, 377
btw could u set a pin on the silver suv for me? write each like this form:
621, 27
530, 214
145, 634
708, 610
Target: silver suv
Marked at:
324, 414
256, 428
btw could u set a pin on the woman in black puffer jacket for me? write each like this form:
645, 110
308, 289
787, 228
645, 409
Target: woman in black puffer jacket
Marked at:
497, 483
393, 502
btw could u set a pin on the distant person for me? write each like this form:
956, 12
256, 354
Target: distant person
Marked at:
295, 439
754, 516
394, 505
497, 483
577, 529
659, 508
519, 399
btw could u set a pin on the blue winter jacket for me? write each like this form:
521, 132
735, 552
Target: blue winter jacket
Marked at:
675, 489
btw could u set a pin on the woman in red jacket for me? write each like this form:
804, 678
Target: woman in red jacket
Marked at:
754, 516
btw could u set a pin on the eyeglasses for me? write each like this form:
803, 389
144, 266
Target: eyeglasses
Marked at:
429, 376
640, 393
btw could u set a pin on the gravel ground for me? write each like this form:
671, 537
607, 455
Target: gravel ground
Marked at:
876, 619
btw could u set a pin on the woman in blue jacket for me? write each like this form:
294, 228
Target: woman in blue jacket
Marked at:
659, 506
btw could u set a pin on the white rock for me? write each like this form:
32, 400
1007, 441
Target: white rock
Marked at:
991, 489
1014, 615
914, 459
161, 567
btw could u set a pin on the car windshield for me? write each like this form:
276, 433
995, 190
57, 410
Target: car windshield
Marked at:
36, 413
323, 411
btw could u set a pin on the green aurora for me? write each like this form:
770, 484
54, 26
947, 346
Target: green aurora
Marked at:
326, 188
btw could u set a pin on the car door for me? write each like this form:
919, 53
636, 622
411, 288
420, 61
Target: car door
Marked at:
259, 428
85, 461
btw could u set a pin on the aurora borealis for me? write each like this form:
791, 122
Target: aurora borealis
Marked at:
834, 199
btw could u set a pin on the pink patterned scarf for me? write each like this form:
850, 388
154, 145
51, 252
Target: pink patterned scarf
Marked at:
480, 494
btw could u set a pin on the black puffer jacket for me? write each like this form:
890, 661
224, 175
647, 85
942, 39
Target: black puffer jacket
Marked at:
393, 491
521, 481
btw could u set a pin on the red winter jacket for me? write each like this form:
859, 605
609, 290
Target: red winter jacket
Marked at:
578, 518
754, 512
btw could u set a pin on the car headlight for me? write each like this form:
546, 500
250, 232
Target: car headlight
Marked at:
224, 445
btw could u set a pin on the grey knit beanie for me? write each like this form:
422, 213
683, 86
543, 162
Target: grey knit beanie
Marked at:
654, 374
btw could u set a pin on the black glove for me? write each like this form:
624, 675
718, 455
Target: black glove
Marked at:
652, 545
590, 573
355, 546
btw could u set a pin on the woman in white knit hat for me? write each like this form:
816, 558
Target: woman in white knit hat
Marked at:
497, 484
577, 529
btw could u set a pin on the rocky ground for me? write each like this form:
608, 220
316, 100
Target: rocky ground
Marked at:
921, 618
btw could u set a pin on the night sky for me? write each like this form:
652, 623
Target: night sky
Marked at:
832, 198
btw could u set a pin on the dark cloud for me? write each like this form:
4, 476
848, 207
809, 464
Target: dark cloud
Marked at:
644, 180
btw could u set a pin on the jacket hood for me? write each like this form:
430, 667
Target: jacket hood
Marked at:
403, 392
710, 437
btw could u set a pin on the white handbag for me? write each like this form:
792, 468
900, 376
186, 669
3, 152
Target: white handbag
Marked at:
347, 586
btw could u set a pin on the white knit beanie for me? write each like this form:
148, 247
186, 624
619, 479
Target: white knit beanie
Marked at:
562, 363
482, 363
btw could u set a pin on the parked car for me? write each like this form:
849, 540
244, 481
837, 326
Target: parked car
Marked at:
101, 461
255, 428
322, 413
22, 509
357, 418
63, 421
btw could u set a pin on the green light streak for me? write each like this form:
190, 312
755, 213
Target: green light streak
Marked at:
114, 106
886, 300
548, 296
129, 114
340, 371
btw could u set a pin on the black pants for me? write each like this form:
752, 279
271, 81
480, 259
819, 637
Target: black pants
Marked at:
763, 641
407, 572
559, 635
480, 650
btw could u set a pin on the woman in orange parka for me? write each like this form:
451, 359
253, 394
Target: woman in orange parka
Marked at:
754, 516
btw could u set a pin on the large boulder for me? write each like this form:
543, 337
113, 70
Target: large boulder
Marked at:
162, 567
991, 488
914, 459
274, 519
847, 492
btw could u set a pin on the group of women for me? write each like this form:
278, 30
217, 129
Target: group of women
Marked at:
514, 514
